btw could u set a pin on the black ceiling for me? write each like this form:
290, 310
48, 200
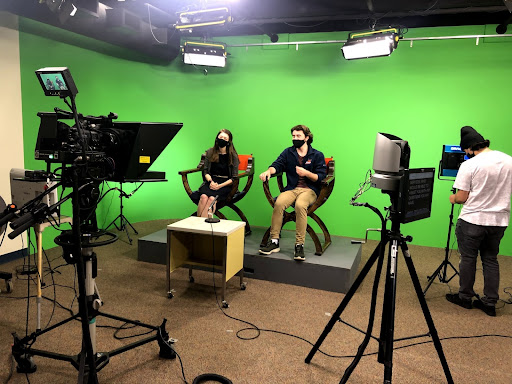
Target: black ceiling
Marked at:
147, 26
303, 16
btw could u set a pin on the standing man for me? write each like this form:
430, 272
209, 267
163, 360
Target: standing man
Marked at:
305, 168
484, 184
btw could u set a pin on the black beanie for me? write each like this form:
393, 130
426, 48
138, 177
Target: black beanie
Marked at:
469, 137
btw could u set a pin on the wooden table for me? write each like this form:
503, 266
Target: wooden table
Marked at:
195, 243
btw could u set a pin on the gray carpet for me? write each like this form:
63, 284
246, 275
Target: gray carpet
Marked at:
207, 339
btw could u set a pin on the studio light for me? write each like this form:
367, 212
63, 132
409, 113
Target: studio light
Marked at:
203, 18
207, 54
370, 44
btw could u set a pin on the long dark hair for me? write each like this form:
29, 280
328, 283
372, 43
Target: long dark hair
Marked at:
230, 150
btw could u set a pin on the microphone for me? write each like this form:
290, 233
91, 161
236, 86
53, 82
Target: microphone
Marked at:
212, 219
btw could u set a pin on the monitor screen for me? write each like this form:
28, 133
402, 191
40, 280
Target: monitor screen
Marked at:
451, 160
416, 188
56, 81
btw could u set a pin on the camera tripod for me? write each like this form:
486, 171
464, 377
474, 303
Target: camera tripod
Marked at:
441, 271
386, 339
123, 221
77, 245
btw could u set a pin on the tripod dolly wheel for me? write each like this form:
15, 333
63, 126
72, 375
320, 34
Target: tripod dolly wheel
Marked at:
243, 286
170, 295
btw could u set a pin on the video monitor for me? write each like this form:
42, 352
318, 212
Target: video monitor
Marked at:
57, 81
453, 156
416, 191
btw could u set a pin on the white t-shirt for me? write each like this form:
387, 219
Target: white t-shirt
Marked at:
488, 178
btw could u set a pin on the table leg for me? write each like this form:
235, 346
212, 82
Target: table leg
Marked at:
168, 266
39, 240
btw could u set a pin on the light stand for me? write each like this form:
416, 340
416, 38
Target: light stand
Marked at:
441, 271
386, 339
123, 221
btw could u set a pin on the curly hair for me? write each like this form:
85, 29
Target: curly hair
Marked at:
306, 130
481, 145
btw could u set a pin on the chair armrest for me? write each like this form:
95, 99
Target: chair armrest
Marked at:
184, 179
188, 171
328, 180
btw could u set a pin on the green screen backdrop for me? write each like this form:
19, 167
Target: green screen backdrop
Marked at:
423, 93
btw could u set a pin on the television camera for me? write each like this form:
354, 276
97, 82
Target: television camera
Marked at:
410, 192
92, 150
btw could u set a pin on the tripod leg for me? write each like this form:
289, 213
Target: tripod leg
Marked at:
131, 226
432, 277
115, 224
375, 255
387, 330
426, 312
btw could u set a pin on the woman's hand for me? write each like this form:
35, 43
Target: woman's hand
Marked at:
214, 186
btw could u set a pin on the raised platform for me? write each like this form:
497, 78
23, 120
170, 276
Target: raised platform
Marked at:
334, 271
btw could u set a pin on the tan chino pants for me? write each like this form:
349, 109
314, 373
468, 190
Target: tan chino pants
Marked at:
303, 198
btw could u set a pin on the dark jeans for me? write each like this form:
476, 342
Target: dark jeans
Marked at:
486, 239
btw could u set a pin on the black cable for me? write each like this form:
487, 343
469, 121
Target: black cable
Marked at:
181, 365
54, 290
122, 327
11, 369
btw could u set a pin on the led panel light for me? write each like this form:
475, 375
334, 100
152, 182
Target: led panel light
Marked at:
211, 55
203, 18
370, 44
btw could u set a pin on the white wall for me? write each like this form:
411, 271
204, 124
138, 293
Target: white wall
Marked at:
11, 124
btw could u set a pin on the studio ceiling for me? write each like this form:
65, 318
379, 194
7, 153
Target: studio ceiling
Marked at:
155, 19
298, 16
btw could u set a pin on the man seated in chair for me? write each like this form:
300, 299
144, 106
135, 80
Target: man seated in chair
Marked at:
305, 168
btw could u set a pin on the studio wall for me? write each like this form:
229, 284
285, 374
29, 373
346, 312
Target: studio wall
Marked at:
423, 94
11, 126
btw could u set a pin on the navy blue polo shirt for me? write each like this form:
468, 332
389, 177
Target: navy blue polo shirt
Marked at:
314, 161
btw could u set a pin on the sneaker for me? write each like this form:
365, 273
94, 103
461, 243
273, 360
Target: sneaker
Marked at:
455, 299
489, 310
299, 252
271, 247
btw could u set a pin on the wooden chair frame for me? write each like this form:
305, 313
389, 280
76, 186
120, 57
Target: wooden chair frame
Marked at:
234, 196
325, 192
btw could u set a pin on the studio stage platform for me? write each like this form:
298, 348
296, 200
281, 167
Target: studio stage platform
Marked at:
334, 271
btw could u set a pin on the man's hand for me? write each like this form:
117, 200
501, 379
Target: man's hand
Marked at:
301, 171
265, 175
452, 199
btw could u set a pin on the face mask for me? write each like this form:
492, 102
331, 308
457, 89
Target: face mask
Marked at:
298, 143
222, 143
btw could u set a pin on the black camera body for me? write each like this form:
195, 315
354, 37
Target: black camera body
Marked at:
115, 151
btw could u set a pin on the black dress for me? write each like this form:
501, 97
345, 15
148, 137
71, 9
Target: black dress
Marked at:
219, 171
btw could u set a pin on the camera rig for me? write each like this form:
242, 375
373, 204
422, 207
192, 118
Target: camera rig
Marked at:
92, 150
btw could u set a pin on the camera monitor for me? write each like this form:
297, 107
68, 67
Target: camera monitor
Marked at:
453, 156
416, 190
57, 81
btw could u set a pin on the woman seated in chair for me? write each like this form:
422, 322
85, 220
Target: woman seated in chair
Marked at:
220, 166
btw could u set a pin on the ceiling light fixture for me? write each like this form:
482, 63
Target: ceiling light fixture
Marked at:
203, 18
370, 44
207, 54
